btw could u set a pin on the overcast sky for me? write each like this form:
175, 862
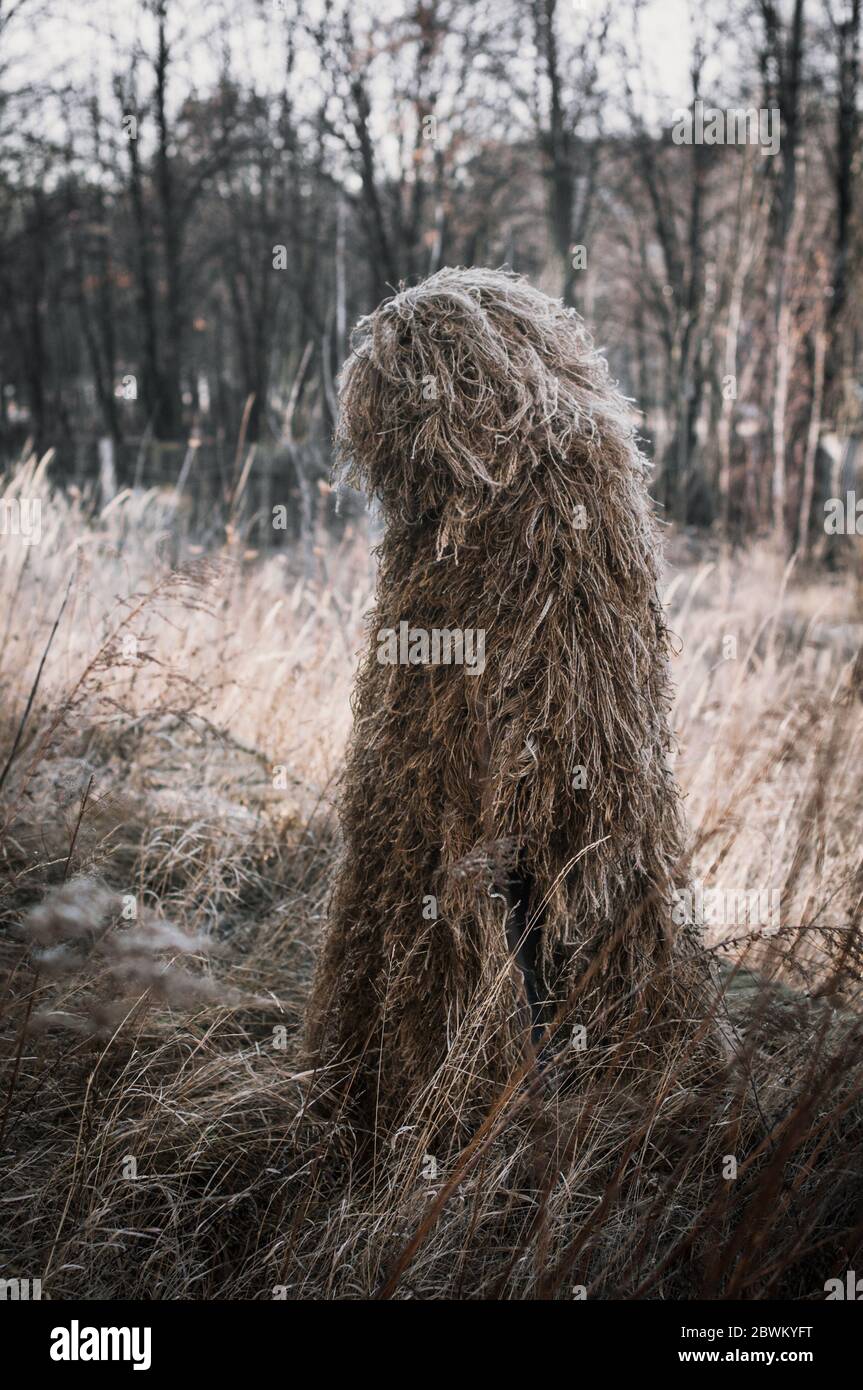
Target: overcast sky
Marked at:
75, 41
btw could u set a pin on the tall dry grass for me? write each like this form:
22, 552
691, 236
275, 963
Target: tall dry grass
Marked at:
167, 839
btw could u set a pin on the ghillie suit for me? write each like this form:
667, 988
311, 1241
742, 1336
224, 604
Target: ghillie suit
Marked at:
509, 835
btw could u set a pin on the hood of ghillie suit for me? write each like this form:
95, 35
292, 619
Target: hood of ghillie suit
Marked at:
461, 390
476, 410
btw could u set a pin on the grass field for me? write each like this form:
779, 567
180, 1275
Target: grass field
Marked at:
169, 756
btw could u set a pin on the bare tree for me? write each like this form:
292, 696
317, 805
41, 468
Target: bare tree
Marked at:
567, 103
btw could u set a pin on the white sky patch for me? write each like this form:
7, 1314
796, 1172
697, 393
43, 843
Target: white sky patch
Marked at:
87, 43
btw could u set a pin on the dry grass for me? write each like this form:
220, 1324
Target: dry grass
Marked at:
143, 783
